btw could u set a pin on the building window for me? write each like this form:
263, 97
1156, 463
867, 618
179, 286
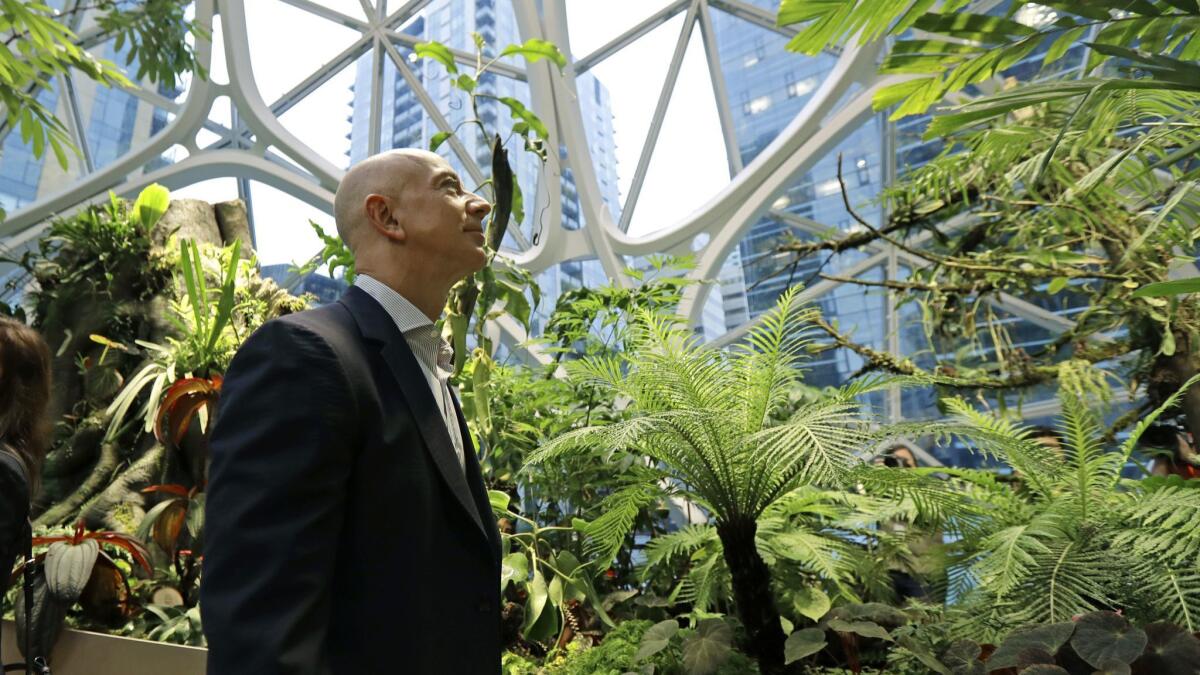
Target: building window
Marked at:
863, 170
801, 88
758, 105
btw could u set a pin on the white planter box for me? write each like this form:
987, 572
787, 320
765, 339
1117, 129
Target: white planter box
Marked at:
85, 653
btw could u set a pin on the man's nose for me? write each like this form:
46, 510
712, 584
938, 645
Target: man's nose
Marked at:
478, 206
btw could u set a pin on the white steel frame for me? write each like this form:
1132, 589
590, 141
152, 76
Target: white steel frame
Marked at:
258, 147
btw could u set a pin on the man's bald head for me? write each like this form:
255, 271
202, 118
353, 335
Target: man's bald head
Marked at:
384, 174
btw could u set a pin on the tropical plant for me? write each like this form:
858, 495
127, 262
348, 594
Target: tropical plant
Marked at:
705, 416
1062, 193
1088, 643
823, 546
1074, 537
40, 47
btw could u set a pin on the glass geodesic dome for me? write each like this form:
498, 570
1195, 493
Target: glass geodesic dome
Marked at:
679, 127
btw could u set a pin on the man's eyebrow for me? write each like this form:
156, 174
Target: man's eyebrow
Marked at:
443, 175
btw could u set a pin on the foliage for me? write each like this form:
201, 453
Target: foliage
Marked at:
1056, 192
706, 417
1073, 537
40, 47
1093, 642
618, 653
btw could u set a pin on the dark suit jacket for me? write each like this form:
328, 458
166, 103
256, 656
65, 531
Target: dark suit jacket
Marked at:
341, 535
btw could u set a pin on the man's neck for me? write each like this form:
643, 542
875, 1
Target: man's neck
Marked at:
427, 296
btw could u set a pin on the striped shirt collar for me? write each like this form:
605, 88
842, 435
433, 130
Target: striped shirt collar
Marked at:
420, 333
404, 313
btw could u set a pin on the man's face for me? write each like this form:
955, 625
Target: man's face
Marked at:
443, 223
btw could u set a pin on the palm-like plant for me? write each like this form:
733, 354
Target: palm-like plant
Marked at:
706, 416
1074, 537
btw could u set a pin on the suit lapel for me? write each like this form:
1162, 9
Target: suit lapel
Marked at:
379, 327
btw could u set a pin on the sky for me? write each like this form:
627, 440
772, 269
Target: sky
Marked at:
688, 166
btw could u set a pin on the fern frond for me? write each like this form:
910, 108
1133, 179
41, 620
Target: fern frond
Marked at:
618, 512
1161, 525
686, 541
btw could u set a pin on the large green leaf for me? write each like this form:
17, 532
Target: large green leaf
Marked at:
812, 602
656, 639
541, 619
1104, 636
151, 204
514, 567
803, 643
864, 628
1047, 637
704, 652
438, 52
535, 50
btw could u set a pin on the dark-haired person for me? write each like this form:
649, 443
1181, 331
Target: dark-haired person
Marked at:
24, 432
909, 573
1174, 452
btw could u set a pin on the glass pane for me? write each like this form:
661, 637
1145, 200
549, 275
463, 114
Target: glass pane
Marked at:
278, 64
631, 79
592, 24
689, 164
281, 226
322, 120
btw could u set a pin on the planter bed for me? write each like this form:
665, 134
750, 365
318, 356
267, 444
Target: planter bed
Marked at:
86, 653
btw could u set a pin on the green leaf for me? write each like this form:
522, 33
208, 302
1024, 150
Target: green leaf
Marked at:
1101, 636
803, 643
225, 304
541, 621
1168, 288
151, 204
438, 52
526, 115
1060, 46
864, 628
1169, 649
709, 648
963, 658
439, 138
1056, 285
989, 29
514, 568
465, 82
656, 639
535, 50
1048, 637
812, 602
499, 500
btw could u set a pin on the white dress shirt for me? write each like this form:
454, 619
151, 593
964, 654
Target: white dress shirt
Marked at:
432, 352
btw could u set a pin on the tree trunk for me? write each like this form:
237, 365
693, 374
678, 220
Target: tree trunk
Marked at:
1170, 373
101, 474
752, 594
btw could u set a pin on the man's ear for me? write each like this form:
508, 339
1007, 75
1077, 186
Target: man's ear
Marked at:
383, 217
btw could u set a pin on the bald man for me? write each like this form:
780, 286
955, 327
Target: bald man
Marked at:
347, 525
